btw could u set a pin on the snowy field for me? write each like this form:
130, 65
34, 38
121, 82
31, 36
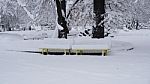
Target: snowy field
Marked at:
123, 65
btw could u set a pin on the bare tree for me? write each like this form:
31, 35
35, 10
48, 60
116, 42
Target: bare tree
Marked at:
61, 18
99, 10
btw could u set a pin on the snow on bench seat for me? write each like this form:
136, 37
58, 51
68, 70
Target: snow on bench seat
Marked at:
90, 47
77, 46
79, 49
56, 49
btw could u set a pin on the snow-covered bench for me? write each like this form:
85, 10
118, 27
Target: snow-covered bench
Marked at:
63, 49
46, 51
77, 46
77, 49
81, 49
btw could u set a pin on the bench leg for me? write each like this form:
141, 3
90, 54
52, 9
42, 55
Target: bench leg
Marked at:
65, 52
76, 52
104, 52
45, 51
79, 52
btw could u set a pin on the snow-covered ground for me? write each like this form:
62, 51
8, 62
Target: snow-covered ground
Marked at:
121, 66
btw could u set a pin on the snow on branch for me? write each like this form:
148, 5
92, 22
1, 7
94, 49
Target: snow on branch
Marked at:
22, 4
72, 7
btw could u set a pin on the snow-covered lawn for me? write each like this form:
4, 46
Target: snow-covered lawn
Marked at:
121, 66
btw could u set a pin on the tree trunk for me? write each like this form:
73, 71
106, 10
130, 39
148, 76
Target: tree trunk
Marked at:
137, 25
98, 31
61, 19
63, 6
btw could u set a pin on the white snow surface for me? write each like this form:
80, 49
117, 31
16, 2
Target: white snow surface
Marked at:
8, 36
121, 66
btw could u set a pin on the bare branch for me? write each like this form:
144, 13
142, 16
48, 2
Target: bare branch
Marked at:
72, 7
